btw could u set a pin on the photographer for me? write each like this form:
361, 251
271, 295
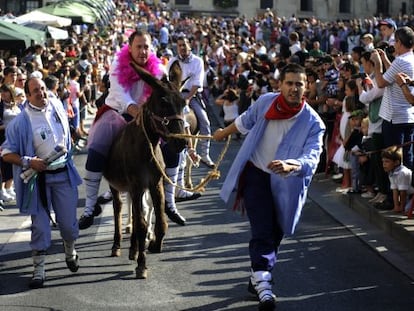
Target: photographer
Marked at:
371, 95
397, 113
387, 29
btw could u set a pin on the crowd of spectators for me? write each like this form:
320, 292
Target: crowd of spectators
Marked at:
242, 58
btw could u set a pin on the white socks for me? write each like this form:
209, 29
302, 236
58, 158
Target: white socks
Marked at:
92, 182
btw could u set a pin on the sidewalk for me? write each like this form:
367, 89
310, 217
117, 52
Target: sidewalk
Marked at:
388, 233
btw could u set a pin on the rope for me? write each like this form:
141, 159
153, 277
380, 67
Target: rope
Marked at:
198, 136
381, 150
213, 174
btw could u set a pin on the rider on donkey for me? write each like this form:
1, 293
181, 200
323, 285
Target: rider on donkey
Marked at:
192, 68
126, 94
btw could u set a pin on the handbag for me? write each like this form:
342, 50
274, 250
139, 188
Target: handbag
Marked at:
373, 110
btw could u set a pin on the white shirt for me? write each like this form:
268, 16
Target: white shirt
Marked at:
193, 69
272, 137
394, 105
119, 98
47, 130
366, 97
400, 179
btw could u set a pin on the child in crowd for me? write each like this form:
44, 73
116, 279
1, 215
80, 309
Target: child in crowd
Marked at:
350, 103
400, 178
230, 103
366, 168
353, 147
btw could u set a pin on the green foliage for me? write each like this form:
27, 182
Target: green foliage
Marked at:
226, 3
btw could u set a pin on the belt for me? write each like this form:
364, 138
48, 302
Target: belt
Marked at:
57, 171
41, 183
188, 91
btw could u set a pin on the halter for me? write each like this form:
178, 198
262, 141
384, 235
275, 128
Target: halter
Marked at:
164, 122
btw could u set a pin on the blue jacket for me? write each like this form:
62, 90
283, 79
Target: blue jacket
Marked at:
19, 139
303, 143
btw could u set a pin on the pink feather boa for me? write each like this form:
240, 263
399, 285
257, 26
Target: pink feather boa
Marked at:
127, 75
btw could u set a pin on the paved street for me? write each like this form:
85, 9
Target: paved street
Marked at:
205, 264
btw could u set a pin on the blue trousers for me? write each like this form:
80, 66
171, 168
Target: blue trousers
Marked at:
63, 198
261, 211
202, 117
396, 134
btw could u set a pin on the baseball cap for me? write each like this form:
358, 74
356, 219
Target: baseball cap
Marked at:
368, 35
388, 22
357, 113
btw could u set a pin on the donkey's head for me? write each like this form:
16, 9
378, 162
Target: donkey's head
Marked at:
165, 105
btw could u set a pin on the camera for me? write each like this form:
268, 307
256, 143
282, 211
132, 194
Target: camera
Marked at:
359, 75
389, 49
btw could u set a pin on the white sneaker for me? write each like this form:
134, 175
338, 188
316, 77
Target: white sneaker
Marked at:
379, 198
342, 190
260, 283
367, 195
5, 196
11, 192
207, 161
337, 176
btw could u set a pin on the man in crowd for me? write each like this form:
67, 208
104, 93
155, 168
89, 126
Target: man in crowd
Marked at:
31, 138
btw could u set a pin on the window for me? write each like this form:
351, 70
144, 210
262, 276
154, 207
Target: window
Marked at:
32, 5
264, 4
306, 5
182, 2
344, 6
226, 3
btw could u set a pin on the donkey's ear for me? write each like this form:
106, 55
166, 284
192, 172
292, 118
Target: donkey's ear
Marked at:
175, 74
150, 79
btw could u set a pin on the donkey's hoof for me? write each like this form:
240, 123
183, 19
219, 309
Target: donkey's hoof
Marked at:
141, 272
116, 252
133, 254
128, 229
155, 246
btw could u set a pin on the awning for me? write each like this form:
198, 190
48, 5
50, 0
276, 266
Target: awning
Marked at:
51, 32
12, 41
79, 13
36, 36
43, 18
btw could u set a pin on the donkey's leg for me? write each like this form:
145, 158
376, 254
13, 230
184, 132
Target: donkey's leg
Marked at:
161, 225
188, 182
117, 205
139, 234
133, 247
128, 227
148, 211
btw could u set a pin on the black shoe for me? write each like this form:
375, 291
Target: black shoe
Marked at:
36, 283
97, 210
73, 264
103, 200
86, 221
194, 196
175, 217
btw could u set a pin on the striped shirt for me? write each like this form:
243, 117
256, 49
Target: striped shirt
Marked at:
394, 106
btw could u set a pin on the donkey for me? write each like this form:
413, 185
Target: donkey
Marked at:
132, 162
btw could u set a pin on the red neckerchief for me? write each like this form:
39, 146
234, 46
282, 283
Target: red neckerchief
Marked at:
280, 110
104, 108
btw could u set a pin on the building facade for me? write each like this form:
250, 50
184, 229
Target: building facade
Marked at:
321, 9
